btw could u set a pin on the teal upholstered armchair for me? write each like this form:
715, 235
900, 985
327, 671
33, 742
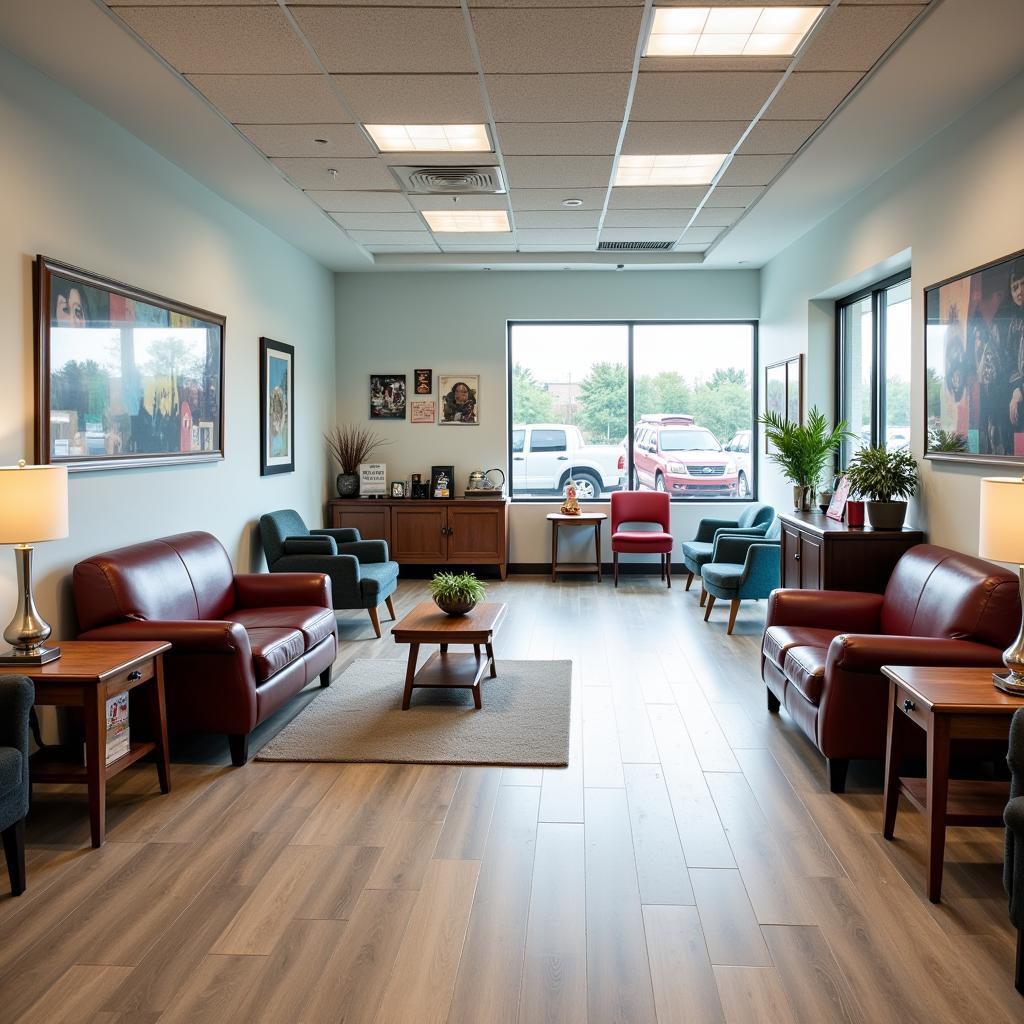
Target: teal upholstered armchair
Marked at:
754, 519
16, 696
742, 568
362, 575
1013, 867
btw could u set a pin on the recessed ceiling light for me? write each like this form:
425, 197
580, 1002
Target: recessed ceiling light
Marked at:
484, 221
688, 169
732, 31
430, 138
572, 202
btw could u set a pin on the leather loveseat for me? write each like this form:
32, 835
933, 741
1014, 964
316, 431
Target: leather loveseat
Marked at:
823, 650
243, 643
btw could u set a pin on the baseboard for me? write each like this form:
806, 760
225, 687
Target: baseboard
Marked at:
625, 569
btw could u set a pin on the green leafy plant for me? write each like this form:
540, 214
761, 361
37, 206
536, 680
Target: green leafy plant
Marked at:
881, 475
803, 451
351, 445
456, 587
946, 441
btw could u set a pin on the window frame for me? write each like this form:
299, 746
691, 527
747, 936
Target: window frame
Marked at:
632, 422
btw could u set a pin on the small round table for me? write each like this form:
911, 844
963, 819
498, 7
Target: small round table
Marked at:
558, 520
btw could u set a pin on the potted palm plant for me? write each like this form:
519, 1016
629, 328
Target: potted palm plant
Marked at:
803, 451
886, 479
456, 593
351, 445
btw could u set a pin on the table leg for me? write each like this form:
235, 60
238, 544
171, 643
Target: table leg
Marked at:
410, 674
490, 654
476, 651
938, 792
477, 702
554, 550
597, 548
96, 759
444, 648
158, 724
894, 733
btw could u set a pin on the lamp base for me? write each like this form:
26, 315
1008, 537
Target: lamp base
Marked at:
40, 656
1011, 684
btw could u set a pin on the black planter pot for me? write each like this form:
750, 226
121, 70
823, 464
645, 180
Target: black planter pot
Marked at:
455, 607
348, 485
886, 515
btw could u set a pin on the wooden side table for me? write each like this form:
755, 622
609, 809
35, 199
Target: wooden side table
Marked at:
948, 704
86, 675
558, 520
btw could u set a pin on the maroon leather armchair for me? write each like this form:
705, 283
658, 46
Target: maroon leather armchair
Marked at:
243, 644
823, 650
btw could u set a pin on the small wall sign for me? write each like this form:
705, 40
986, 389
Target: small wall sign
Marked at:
373, 479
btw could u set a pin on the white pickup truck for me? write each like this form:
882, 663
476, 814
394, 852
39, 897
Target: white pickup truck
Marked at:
545, 456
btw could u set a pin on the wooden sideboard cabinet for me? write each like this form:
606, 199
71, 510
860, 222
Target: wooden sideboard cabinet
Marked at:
819, 553
458, 531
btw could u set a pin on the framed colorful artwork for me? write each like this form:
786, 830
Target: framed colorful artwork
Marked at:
460, 395
423, 382
123, 377
387, 396
277, 407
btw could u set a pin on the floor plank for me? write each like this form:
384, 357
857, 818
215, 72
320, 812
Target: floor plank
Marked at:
753, 995
727, 918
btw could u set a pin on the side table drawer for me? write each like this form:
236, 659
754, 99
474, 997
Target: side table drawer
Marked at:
130, 677
906, 703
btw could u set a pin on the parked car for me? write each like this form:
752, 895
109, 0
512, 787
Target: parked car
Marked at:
671, 453
739, 448
545, 456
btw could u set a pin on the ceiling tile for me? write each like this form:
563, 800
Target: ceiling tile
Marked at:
647, 137
558, 171
701, 95
551, 198
656, 197
598, 137
719, 216
584, 97
743, 64
272, 99
639, 235
439, 159
853, 38
811, 94
300, 140
734, 196
380, 221
480, 247
494, 202
550, 220
221, 40
387, 40
677, 219
528, 41
701, 235
568, 236
778, 136
393, 237
359, 202
352, 174
469, 239
753, 170
414, 99
420, 247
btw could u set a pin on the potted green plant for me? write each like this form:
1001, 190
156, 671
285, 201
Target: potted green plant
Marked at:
803, 451
886, 479
351, 445
456, 593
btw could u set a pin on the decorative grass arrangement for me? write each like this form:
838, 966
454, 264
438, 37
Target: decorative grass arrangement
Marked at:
351, 445
456, 593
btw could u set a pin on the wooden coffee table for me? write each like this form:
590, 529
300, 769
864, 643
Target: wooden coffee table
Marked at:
427, 624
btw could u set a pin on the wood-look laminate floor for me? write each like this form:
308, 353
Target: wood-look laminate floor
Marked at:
688, 866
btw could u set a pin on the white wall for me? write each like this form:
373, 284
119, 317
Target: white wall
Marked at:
953, 204
456, 322
79, 188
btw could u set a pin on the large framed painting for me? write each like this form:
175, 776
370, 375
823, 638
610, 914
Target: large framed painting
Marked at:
387, 396
277, 407
123, 377
460, 396
974, 364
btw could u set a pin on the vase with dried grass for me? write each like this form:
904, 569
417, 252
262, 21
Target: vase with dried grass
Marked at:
350, 445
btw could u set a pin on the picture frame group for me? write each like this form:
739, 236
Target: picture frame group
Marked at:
457, 404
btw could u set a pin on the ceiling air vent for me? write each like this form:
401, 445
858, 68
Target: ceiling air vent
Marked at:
630, 246
451, 181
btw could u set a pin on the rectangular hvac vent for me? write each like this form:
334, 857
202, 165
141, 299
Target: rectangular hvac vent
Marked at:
623, 246
450, 181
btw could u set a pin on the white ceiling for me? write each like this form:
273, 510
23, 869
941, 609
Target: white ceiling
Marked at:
236, 91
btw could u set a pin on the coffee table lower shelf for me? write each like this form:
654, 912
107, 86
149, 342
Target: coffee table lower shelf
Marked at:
452, 671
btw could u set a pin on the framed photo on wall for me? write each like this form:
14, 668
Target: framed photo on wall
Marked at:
423, 382
387, 396
459, 399
277, 407
123, 377
974, 365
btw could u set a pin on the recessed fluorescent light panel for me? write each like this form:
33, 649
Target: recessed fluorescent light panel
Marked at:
430, 138
729, 31
481, 221
690, 169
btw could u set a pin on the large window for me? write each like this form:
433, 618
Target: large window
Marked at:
874, 365
648, 406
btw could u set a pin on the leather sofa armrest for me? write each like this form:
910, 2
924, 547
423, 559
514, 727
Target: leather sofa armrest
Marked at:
854, 652
367, 551
263, 590
826, 609
191, 636
706, 528
309, 546
341, 534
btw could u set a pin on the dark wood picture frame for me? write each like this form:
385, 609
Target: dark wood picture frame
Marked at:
207, 432
270, 406
435, 473
791, 371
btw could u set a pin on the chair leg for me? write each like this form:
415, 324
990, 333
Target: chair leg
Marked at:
703, 595
14, 849
615, 566
734, 607
773, 702
661, 559
709, 606
668, 568
239, 744
374, 621
689, 579
835, 770
1018, 979
325, 676
391, 607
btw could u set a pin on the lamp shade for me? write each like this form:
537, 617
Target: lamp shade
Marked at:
33, 503
1002, 519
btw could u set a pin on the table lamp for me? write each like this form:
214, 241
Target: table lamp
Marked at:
33, 507
1002, 539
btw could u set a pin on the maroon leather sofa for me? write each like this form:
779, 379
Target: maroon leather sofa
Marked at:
243, 643
823, 650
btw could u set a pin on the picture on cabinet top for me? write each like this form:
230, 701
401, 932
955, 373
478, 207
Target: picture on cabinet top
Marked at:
387, 396
459, 399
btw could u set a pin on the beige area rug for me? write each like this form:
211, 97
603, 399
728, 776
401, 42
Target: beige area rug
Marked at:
524, 720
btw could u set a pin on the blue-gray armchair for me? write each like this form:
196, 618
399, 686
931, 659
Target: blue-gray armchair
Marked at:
362, 575
754, 519
16, 696
1013, 867
742, 568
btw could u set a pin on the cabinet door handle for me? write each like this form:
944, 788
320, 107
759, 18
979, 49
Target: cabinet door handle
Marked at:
909, 705
796, 557
132, 676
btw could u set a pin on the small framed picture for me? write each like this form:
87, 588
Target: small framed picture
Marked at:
459, 399
441, 485
837, 506
387, 396
422, 410
397, 488
423, 382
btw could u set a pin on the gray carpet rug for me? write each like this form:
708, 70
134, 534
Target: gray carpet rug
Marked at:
524, 720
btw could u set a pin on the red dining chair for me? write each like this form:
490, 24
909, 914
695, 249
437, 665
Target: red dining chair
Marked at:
642, 507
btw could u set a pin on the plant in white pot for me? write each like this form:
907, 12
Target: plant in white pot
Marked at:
803, 451
886, 479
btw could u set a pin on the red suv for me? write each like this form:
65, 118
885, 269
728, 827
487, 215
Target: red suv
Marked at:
671, 453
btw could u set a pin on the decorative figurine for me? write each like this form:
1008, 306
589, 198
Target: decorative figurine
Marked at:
570, 507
